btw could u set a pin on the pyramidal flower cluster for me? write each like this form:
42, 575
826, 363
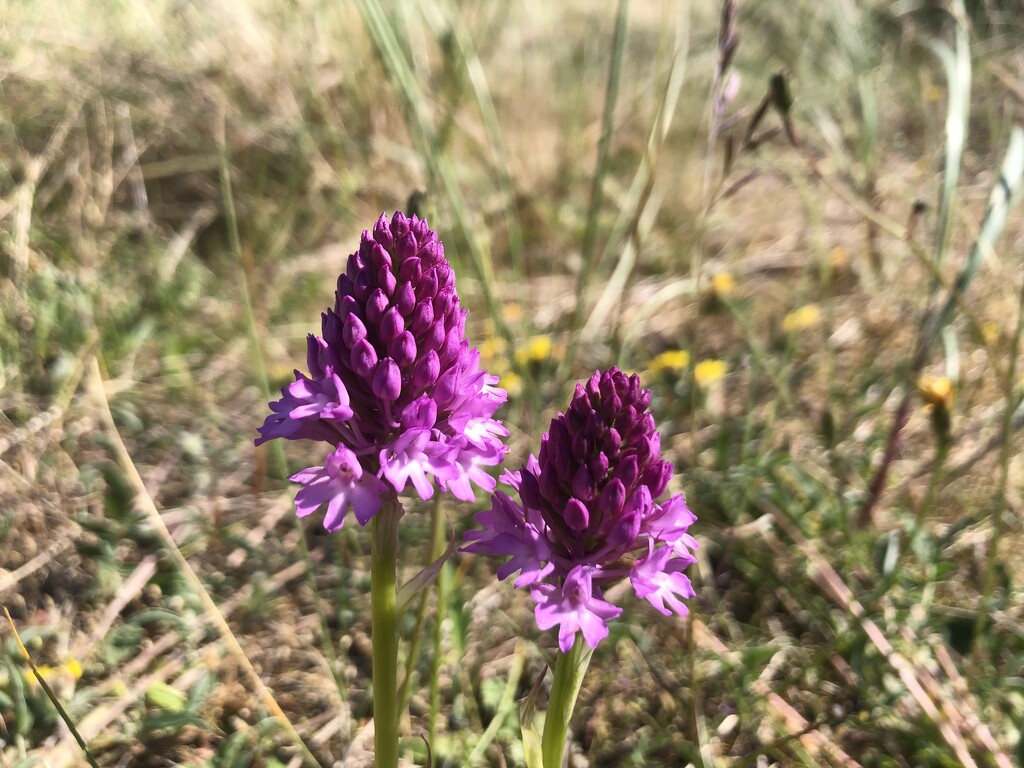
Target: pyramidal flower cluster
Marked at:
588, 514
393, 387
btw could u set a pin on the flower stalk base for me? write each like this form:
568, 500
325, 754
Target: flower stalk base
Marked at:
384, 631
569, 671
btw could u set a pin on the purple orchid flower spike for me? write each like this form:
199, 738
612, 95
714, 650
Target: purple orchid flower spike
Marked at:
393, 387
589, 514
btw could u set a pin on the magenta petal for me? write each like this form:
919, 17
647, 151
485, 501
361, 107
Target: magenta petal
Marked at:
340, 483
311, 497
659, 580
366, 501
335, 516
574, 608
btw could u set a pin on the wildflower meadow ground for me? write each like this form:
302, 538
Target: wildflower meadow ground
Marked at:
511, 384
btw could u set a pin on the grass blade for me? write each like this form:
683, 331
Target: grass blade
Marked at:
957, 63
597, 182
50, 694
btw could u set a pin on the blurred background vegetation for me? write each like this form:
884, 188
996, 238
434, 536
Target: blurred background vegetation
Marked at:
787, 217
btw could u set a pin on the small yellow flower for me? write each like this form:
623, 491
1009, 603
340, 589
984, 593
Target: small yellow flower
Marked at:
71, 668
74, 667
802, 318
671, 360
491, 347
936, 391
933, 93
494, 355
512, 384
838, 258
512, 313
536, 350
723, 284
990, 333
707, 372
45, 671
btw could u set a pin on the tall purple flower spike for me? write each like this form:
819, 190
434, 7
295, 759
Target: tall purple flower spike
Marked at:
589, 514
393, 388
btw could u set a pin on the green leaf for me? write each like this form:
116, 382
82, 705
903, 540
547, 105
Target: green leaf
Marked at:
172, 721
532, 750
232, 753
424, 578
163, 696
757, 656
201, 691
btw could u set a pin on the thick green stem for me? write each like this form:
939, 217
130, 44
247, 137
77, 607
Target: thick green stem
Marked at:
384, 631
569, 671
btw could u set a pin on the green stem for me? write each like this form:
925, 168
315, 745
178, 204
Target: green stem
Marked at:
941, 452
569, 671
437, 519
441, 610
384, 631
1002, 501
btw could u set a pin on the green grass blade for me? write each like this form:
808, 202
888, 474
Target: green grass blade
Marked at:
1005, 192
505, 705
597, 181
641, 202
492, 125
50, 694
440, 167
957, 64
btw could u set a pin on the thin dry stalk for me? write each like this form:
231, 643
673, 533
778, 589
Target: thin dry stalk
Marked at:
132, 586
95, 385
101, 718
951, 725
274, 514
960, 686
794, 723
44, 558
813, 740
34, 168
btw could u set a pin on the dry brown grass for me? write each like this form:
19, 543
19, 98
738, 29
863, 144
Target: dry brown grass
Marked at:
116, 244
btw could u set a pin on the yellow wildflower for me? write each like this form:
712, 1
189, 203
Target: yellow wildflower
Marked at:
990, 333
494, 355
536, 350
936, 391
723, 284
491, 347
71, 668
512, 383
512, 313
838, 258
802, 318
670, 360
707, 372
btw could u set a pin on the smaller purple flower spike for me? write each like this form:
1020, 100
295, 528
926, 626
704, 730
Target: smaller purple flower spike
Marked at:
589, 514
393, 386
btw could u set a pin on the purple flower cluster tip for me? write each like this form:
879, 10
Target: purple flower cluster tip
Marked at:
589, 514
393, 386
